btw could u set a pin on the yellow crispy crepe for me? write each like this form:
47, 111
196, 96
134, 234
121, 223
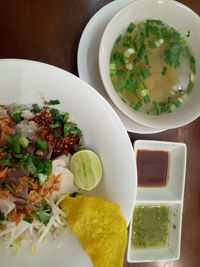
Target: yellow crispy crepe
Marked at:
100, 228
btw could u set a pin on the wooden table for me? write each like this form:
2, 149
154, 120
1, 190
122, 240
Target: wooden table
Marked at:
49, 31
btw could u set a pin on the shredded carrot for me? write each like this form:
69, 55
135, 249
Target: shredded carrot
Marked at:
5, 128
3, 173
52, 185
14, 216
5, 194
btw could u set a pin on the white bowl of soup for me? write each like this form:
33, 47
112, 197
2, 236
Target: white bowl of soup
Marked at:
149, 61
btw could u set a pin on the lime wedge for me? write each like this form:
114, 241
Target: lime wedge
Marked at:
86, 168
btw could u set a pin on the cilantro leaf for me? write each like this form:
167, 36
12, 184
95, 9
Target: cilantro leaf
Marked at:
71, 128
42, 216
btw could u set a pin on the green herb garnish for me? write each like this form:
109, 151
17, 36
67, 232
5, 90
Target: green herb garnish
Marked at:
52, 102
43, 213
14, 142
71, 128
56, 134
5, 162
41, 178
140, 54
41, 144
130, 81
35, 165
190, 87
42, 216
24, 142
17, 117
173, 54
164, 69
56, 115
15, 113
55, 125
137, 105
131, 27
65, 117
10, 188
28, 219
36, 108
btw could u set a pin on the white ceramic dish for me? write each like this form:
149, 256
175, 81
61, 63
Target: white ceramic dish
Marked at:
180, 17
174, 190
88, 66
25, 82
172, 250
172, 195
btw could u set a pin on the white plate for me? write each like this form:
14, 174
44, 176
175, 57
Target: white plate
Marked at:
88, 52
25, 81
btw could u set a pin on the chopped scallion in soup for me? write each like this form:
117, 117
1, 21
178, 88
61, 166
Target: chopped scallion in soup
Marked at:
152, 68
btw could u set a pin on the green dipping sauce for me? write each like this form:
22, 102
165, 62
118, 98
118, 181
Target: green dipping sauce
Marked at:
150, 227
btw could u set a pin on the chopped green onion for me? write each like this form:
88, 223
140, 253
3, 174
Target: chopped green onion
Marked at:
41, 144
57, 135
155, 21
54, 125
144, 92
156, 108
5, 162
24, 142
36, 108
146, 60
52, 102
14, 142
144, 73
31, 166
146, 99
190, 87
28, 219
141, 25
193, 64
140, 54
176, 102
65, 117
170, 100
41, 178
56, 115
121, 72
118, 39
17, 117
15, 113
10, 188
154, 30
131, 27
112, 66
151, 44
166, 109
71, 128
163, 72
137, 105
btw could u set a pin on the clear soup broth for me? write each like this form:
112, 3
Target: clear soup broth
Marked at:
152, 68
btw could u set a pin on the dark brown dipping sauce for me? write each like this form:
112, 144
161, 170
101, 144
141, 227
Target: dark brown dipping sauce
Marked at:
152, 167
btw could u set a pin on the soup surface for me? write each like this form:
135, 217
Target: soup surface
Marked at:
152, 68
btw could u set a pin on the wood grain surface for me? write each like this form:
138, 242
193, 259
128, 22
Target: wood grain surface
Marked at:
49, 31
